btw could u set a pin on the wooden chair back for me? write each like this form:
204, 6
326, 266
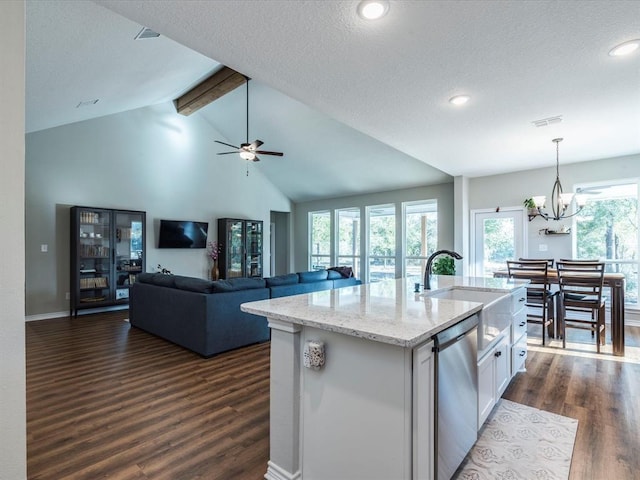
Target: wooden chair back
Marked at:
534, 270
581, 283
550, 261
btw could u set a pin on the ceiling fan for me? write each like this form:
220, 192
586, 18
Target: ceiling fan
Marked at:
248, 151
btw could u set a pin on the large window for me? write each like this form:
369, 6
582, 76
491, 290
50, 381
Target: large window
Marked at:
420, 235
320, 240
348, 243
382, 242
607, 229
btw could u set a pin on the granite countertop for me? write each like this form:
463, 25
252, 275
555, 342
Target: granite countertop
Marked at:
388, 312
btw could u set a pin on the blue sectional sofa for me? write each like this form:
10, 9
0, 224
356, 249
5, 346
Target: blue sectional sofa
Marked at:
205, 316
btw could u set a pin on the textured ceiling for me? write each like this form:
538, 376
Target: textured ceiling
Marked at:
341, 82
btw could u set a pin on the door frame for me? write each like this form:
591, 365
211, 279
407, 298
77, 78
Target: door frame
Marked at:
520, 251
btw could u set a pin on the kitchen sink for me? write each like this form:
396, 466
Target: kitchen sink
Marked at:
494, 317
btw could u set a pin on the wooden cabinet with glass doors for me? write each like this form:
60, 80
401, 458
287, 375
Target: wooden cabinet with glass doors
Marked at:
107, 253
240, 248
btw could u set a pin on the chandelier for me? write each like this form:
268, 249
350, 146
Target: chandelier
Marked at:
560, 201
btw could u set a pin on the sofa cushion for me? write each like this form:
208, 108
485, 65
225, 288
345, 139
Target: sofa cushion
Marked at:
235, 284
193, 284
278, 280
333, 275
313, 276
163, 280
145, 277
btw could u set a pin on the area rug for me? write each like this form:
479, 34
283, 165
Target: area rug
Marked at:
520, 442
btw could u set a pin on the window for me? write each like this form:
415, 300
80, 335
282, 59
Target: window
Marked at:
382, 242
320, 240
348, 243
607, 229
420, 235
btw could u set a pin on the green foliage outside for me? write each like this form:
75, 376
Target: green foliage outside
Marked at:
608, 229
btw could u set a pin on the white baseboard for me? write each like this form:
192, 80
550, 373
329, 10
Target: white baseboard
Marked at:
67, 313
274, 472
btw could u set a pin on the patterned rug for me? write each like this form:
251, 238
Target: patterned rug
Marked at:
520, 442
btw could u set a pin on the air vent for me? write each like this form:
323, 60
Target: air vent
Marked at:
87, 103
547, 121
146, 33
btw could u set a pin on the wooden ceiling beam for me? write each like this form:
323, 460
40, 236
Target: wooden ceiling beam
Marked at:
214, 87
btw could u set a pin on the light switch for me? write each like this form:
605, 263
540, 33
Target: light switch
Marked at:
543, 247
44, 248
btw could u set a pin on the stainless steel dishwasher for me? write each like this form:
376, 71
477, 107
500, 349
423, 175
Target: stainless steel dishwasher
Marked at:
456, 398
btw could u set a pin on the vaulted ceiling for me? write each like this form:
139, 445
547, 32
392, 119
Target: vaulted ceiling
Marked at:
357, 106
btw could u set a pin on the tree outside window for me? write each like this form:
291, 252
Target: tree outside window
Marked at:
607, 229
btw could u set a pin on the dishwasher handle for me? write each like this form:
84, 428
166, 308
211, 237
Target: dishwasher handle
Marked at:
454, 333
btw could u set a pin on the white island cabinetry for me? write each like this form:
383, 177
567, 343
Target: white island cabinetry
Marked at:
367, 412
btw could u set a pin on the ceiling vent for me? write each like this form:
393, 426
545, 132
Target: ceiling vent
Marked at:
87, 103
547, 121
146, 33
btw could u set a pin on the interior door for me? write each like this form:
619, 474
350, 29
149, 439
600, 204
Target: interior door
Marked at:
496, 236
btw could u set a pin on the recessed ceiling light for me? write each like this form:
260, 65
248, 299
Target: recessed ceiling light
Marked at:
459, 99
625, 48
373, 9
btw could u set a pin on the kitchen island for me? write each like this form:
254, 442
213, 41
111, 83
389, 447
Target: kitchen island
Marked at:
367, 412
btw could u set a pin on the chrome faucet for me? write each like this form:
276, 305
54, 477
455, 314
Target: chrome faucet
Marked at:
427, 270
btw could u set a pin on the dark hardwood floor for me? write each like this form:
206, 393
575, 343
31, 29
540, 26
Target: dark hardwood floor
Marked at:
108, 401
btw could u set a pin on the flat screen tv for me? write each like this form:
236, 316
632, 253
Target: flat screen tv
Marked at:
182, 234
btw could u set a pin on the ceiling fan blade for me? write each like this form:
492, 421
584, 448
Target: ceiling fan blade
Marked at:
227, 144
256, 159
227, 153
264, 152
255, 144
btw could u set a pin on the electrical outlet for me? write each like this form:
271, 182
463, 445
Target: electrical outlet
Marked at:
543, 247
67, 296
44, 248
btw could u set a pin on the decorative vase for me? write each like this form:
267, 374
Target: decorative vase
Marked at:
215, 272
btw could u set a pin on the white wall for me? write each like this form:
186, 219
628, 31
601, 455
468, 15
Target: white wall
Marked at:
149, 159
443, 193
513, 188
13, 454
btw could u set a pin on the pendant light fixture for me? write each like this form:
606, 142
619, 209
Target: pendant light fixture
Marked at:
560, 201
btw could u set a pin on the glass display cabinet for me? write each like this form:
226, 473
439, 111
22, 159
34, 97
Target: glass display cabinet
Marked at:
107, 253
240, 247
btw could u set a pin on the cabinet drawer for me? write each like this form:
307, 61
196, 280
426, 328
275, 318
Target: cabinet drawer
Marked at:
519, 326
519, 355
518, 300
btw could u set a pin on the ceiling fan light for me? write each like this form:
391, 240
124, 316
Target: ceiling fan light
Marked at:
247, 155
625, 48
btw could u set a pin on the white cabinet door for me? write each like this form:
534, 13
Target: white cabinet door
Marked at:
502, 360
486, 387
423, 412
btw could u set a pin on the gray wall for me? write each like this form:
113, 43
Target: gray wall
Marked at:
443, 193
149, 159
513, 188
13, 430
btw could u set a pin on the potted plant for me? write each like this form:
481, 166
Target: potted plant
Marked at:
444, 266
532, 210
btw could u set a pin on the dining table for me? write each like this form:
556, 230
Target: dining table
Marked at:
613, 281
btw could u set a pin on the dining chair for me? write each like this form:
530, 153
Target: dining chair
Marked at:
581, 284
540, 297
550, 261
